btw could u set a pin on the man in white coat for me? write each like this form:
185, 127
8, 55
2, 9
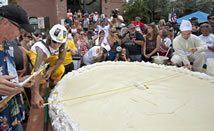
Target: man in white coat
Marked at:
189, 49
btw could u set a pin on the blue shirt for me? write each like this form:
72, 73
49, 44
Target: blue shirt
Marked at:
13, 113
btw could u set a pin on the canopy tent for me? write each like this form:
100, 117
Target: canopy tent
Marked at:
200, 15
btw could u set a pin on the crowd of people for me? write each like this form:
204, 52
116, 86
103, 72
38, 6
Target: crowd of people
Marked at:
84, 39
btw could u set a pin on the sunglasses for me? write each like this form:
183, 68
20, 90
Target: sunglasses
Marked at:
113, 32
29, 37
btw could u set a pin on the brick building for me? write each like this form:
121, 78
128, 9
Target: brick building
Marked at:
56, 10
108, 5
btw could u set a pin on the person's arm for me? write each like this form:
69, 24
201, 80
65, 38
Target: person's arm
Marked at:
97, 57
200, 45
139, 40
34, 37
110, 41
97, 23
36, 99
56, 65
125, 38
211, 48
100, 40
157, 46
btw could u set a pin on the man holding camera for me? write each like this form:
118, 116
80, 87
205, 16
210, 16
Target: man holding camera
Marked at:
116, 19
133, 40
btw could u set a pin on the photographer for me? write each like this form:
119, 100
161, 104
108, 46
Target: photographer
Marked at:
133, 41
116, 20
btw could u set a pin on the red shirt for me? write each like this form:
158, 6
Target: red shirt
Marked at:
140, 24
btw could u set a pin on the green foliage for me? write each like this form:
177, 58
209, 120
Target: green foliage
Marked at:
135, 8
148, 10
186, 7
154, 10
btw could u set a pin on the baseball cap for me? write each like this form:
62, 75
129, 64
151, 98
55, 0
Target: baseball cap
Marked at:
18, 15
131, 26
137, 18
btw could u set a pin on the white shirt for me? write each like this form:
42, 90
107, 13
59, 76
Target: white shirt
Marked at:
88, 57
167, 42
209, 40
98, 39
106, 29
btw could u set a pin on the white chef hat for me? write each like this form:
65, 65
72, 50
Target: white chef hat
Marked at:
186, 25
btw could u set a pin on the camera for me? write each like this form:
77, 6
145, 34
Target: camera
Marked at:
131, 36
115, 12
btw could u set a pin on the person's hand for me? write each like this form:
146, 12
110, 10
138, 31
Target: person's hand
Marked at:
7, 88
193, 50
30, 83
101, 38
127, 36
47, 74
189, 67
36, 101
147, 56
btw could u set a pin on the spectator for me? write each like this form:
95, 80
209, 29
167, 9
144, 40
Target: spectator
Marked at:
77, 56
137, 22
208, 38
93, 55
95, 17
152, 43
103, 26
67, 26
133, 41
117, 20
165, 43
84, 45
12, 18
211, 21
90, 38
114, 42
161, 24
188, 48
123, 56
100, 39
85, 23
195, 29
69, 14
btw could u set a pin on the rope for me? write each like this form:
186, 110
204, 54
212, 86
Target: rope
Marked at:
114, 90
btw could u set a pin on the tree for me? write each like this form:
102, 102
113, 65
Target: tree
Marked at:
185, 7
135, 8
148, 10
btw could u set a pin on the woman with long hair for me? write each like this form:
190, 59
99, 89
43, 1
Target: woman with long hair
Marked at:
114, 42
152, 42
